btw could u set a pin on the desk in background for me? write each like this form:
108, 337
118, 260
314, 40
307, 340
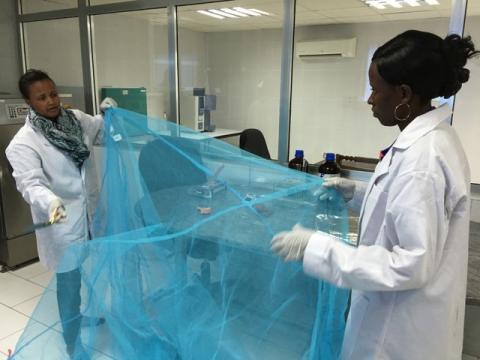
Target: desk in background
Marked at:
217, 134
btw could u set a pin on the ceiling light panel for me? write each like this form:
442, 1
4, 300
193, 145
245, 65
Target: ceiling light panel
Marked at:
260, 12
235, 13
210, 14
246, 11
398, 4
412, 2
222, 13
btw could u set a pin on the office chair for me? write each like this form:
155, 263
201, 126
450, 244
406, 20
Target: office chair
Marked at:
253, 141
162, 168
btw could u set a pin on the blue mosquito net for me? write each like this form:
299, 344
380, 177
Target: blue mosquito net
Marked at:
180, 265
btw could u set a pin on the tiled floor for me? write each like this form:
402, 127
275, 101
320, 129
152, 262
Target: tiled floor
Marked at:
20, 293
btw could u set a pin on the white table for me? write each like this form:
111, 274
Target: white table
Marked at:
217, 134
222, 133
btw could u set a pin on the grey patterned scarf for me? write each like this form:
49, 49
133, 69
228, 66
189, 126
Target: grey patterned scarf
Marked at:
65, 133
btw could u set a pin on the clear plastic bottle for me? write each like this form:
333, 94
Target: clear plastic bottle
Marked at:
329, 168
332, 214
298, 162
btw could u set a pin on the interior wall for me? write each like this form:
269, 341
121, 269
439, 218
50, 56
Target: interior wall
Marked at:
132, 52
242, 68
465, 120
10, 62
329, 108
244, 74
54, 46
193, 71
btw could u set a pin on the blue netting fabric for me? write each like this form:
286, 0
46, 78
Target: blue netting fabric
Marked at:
180, 265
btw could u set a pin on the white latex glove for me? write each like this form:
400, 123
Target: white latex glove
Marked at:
344, 186
56, 211
291, 245
106, 103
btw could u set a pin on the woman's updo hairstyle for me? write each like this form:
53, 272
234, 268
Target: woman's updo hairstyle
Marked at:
430, 65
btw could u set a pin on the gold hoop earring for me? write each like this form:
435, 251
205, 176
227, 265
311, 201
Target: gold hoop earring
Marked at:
404, 118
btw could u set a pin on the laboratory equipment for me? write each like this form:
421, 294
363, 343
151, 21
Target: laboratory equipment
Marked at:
17, 237
133, 99
204, 104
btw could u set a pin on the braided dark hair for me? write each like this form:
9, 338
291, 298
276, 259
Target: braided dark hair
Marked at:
430, 65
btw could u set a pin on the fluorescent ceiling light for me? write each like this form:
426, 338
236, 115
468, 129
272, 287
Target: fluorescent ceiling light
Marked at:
233, 12
383, 4
222, 13
260, 12
210, 14
412, 2
394, 4
375, 4
245, 11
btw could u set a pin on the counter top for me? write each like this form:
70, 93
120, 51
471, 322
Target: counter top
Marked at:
473, 283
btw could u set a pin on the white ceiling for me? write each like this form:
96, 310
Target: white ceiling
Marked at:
308, 12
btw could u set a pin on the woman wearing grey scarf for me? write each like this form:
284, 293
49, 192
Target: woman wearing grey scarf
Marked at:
53, 169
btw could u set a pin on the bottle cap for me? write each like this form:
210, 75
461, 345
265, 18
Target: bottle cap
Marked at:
298, 153
330, 156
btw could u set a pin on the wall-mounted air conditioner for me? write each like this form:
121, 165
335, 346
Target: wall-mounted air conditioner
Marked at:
320, 48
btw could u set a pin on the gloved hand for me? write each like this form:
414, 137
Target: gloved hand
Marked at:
107, 103
344, 186
291, 245
56, 211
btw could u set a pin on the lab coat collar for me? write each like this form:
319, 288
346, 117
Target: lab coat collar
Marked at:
422, 125
414, 131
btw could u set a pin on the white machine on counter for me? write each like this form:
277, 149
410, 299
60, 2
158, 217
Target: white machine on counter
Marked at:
17, 241
203, 105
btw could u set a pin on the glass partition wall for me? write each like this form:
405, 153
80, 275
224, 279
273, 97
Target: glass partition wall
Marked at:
131, 59
232, 50
334, 44
54, 46
171, 47
464, 120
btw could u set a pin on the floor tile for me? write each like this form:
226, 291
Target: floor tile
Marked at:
10, 341
30, 271
27, 307
12, 321
43, 309
45, 280
32, 332
16, 290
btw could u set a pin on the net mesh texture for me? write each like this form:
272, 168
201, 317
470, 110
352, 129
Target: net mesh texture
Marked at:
180, 265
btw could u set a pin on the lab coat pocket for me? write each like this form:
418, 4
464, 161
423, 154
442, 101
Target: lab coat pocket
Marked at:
373, 215
355, 321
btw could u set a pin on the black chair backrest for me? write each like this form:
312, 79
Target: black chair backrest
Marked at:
253, 141
163, 167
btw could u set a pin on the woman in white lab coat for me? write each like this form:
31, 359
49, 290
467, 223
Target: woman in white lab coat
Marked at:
408, 274
52, 167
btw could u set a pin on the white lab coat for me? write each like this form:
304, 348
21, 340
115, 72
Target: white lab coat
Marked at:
43, 172
409, 272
